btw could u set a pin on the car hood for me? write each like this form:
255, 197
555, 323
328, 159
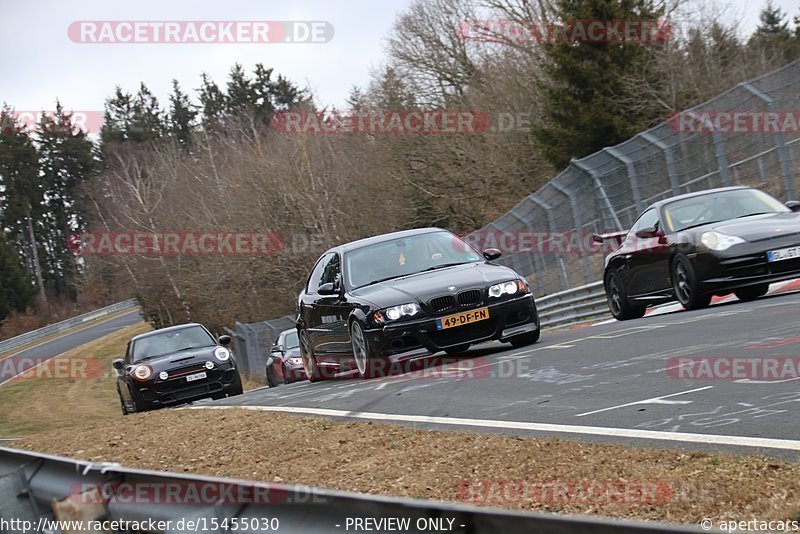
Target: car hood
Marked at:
758, 227
426, 285
181, 359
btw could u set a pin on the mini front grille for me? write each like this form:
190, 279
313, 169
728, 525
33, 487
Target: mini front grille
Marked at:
443, 303
469, 298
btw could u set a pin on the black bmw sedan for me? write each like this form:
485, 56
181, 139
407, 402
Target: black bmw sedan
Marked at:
370, 303
694, 246
175, 365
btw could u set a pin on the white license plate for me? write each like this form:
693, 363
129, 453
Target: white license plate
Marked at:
783, 254
196, 376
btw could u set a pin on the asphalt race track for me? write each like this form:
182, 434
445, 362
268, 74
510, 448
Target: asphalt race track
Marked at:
612, 382
23, 360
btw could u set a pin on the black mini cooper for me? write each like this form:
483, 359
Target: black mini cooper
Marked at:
370, 303
174, 365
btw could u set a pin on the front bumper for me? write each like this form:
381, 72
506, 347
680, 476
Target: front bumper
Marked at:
507, 318
742, 266
171, 392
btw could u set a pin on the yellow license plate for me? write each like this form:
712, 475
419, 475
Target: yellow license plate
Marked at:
460, 319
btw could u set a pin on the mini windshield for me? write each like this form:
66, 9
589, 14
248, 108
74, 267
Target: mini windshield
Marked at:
405, 256
159, 344
290, 341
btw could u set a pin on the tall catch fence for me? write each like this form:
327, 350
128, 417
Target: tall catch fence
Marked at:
251, 344
607, 190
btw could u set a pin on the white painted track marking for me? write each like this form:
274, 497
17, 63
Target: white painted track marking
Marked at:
654, 400
714, 439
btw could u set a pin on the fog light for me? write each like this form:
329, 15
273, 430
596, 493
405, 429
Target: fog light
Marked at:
163, 375
209, 365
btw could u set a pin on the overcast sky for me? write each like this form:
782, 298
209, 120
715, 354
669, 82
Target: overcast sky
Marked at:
41, 63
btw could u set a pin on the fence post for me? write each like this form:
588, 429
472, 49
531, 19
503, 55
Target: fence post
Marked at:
784, 156
667, 150
576, 219
719, 146
632, 178
551, 223
601, 193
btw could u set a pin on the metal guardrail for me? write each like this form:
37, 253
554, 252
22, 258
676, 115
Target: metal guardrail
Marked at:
573, 306
63, 326
31, 482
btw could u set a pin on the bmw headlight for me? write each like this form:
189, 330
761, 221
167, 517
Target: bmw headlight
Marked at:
396, 312
507, 288
719, 241
222, 354
142, 372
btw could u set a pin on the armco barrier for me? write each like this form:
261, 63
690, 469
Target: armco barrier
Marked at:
574, 306
30, 482
63, 326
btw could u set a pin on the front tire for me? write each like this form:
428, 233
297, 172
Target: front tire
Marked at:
751, 292
458, 350
621, 308
524, 340
122, 405
369, 366
684, 282
309, 360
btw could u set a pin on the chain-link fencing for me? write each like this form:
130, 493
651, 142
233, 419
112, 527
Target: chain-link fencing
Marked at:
745, 136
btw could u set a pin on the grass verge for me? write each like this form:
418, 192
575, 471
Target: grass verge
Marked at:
80, 419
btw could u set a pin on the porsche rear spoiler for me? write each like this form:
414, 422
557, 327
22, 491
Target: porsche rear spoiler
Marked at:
617, 236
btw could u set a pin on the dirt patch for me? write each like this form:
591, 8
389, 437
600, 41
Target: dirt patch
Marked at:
455, 466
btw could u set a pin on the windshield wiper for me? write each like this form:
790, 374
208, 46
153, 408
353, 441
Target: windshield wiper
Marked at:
442, 266
702, 224
756, 213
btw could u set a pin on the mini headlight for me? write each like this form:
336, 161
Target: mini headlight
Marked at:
296, 361
142, 372
163, 375
222, 354
504, 288
719, 241
209, 365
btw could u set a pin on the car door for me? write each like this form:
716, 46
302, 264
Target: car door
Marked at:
332, 310
646, 258
122, 377
309, 310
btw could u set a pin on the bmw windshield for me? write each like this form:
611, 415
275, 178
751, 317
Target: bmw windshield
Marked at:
405, 256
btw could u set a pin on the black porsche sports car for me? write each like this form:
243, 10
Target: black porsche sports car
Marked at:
373, 302
693, 246
175, 365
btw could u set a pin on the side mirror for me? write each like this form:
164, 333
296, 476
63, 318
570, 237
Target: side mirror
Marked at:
327, 289
793, 205
118, 364
491, 254
277, 348
225, 340
649, 233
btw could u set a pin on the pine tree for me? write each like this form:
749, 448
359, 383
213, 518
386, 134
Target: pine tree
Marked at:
66, 161
772, 37
16, 290
213, 102
22, 194
584, 87
181, 115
